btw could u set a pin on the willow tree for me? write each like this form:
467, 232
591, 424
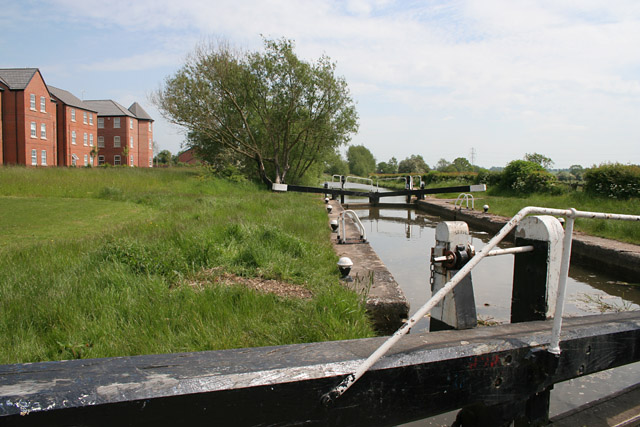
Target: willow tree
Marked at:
281, 112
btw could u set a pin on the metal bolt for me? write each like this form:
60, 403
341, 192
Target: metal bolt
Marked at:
485, 208
344, 265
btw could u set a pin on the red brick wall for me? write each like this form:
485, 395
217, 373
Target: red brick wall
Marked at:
66, 148
1, 145
109, 132
145, 136
48, 118
12, 110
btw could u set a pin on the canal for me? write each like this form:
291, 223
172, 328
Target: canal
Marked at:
403, 238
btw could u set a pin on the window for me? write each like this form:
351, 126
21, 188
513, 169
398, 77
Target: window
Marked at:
73, 137
91, 159
101, 142
86, 160
32, 102
91, 119
73, 114
90, 140
34, 157
130, 123
100, 122
100, 160
85, 140
116, 123
116, 160
131, 141
43, 104
149, 126
43, 158
74, 160
150, 163
150, 144
116, 142
131, 160
43, 131
34, 132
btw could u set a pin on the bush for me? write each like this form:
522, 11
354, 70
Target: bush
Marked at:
526, 177
613, 180
434, 177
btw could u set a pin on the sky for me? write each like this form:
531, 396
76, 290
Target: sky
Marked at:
488, 80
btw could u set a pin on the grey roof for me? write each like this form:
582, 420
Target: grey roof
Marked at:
107, 107
139, 112
17, 78
69, 99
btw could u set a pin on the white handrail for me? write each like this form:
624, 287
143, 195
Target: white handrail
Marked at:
465, 197
369, 180
343, 231
554, 346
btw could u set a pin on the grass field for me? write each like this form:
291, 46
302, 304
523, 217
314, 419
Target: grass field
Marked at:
112, 262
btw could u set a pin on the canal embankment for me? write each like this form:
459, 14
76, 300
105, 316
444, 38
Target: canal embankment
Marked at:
617, 259
385, 302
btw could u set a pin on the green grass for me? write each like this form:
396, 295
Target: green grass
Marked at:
104, 263
624, 231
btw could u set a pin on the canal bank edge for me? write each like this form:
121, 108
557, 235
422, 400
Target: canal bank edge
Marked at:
386, 304
616, 259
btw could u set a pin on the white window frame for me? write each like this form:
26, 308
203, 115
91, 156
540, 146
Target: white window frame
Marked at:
100, 160
150, 162
91, 119
34, 130
74, 160
116, 160
149, 126
73, 137
131, 142
116, 141
90, 140
43, 158
73, 114
34, 157
43, 131
32, 102
84, 117
131, 160
150, 144
85, 140
100, 141
86, 160
100, 122
43, 104
116, 122
130, 123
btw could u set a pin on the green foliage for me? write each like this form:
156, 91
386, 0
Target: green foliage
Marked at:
453, 178
461, 164
613, 180
271, 107
361, 161
336, 165
164, 157
522, 176
390, 167
413, 164
539, 159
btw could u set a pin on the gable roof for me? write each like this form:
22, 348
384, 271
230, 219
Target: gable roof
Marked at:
69, 99
17, 78
139, 112
107, 107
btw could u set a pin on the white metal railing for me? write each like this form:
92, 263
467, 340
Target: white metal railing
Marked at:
554, 345
464, 197
342, 230
358, 178
395, 178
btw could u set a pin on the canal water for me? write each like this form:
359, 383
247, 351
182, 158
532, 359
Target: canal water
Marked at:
403, 238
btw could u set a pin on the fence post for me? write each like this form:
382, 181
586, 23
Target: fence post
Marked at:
458, 309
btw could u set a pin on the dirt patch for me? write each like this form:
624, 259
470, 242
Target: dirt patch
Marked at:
259, 284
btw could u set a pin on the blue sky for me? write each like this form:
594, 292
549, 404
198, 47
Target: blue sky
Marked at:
435, 78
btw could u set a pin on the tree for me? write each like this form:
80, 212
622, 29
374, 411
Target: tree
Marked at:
163, 157
361, 161
461, 164
388, 167
444, 166
413, 164
577, 171
281, 113
336, 165
540, 159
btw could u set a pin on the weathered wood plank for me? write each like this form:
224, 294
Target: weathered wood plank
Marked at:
425, 374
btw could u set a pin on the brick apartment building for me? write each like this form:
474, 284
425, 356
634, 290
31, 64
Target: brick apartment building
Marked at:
125, 137
28, 118
43, 125
77, 130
